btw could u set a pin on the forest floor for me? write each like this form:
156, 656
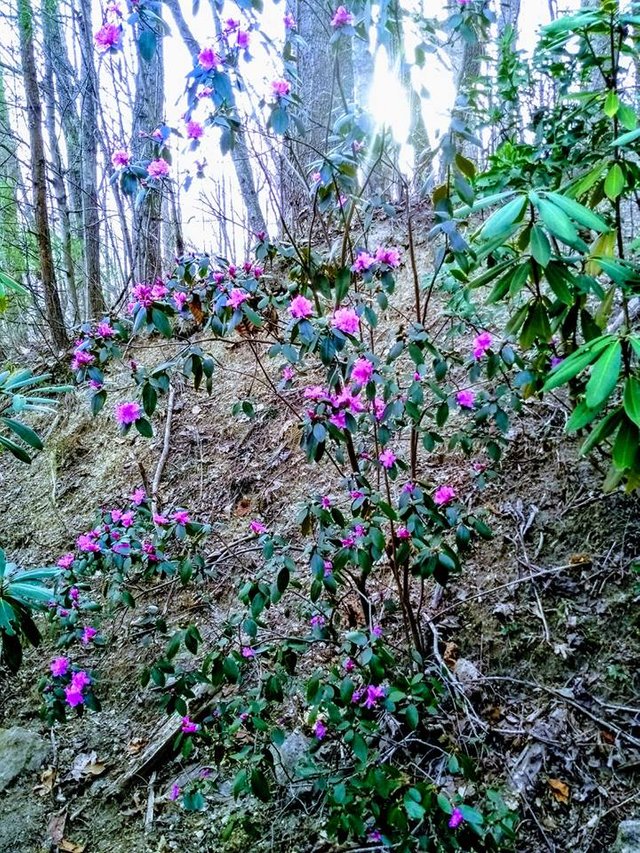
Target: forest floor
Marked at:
541, 628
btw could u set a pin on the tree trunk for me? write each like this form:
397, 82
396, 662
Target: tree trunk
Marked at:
89, 159
68, 93
57, 182
148, 114
11, 242
53, 307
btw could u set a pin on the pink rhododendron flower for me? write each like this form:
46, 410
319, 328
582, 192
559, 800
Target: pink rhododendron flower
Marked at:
66, 561
204, 92
128, 413
159, 289
242, 39
364, 262
194, 130
403, 533
59, 667
387, 458
81, 358
319, 729
127, 519
181, 517
377, 631
555, 361
85, 542
289, 22
342, 18
444, 495
137, 497
373, 696
316, 177
174, 793
160, 519
74, 594
142, 293
362, 371
158, 168
179, 299
346, 320
325, 502
339, 420
466, 399
390, 257
257, 527
354, 494
237, 297
378, 406
317, 621
456, 819
314, 392
105, 330
374, 836
73, 696
348, 665
347, 400
88, 634
287, 373
188, 726
248, 652
208, 59
108, 37
280, 88
301, 308
481, 344
327, 568
120, 158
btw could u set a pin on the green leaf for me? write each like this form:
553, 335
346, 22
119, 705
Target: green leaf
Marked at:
231, 670
626, 139
581, 416
260, 785
144, 427
24, 432
602, 431
540, 248
147, 44
14, 448
557, 222
560, 279
279, 120
504, 218
632, 399
604, 376
614, 182
625, 446
575, 363
414, 810
578, 212
611, 104
161, 322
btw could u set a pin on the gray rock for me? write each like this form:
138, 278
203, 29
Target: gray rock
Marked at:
628, 840
21, 750
288, 758
469, 676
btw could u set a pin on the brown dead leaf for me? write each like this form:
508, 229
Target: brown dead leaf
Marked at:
47, 781
134, 747
607, 737
67, 846
243, 507
579, 559
559, 789
55, 830
450, 655
85, 764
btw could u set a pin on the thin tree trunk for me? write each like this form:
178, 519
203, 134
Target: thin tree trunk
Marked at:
57, 182
148, 114
89, 152
11, 249
239, 153
39, 176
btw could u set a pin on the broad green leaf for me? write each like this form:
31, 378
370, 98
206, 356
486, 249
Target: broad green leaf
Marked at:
632, 399
614, 182
559, 279
557, 222
575, 363
604, 376
626, 139
625, 447
504, 219
14, 448
578, 212
24, 432
581, 417
602, 431
540, 247
161, 322
611, 104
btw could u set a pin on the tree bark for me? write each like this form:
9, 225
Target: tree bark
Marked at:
57, 183
89, 159
148, 114
11, 243
53, 307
